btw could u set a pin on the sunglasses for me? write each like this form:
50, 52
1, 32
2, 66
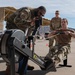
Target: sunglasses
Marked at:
41, 14
56, 13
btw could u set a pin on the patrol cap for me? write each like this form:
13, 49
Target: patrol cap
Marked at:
57, 12
42, 8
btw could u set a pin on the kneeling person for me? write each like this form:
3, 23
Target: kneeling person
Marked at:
63, 38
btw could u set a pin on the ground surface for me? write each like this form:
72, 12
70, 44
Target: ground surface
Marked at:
41, 48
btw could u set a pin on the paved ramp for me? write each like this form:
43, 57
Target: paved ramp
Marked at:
41, 49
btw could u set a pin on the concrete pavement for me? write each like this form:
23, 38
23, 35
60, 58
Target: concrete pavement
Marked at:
41, 48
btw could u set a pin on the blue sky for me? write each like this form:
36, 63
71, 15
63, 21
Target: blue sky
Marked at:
66, 7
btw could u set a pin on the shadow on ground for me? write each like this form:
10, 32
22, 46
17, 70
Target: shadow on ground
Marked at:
34, 72
38, 72
2, 72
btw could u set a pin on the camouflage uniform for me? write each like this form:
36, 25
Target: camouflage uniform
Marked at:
21, 19
63, 47
55, 24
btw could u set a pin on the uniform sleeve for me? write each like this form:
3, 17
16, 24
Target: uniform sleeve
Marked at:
22, 17
51, 28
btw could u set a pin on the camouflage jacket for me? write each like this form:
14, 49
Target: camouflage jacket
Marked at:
21, 19
55, 23
63, 39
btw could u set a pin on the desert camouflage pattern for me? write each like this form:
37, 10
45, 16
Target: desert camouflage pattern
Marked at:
21, 19
58, 51
55, 23
61, 48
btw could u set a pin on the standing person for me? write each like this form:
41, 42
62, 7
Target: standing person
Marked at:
64, 39
55, 24
25, 18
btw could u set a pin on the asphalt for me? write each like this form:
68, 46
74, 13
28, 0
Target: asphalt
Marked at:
41, 48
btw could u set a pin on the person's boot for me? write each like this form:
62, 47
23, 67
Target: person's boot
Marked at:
47, 58
30, 67
7, 72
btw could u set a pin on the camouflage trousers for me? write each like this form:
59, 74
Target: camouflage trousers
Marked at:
59, 52
51, 42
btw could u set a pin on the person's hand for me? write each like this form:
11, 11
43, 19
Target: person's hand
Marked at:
53, 32
33, 22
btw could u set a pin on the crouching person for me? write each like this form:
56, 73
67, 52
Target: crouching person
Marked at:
63, 37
